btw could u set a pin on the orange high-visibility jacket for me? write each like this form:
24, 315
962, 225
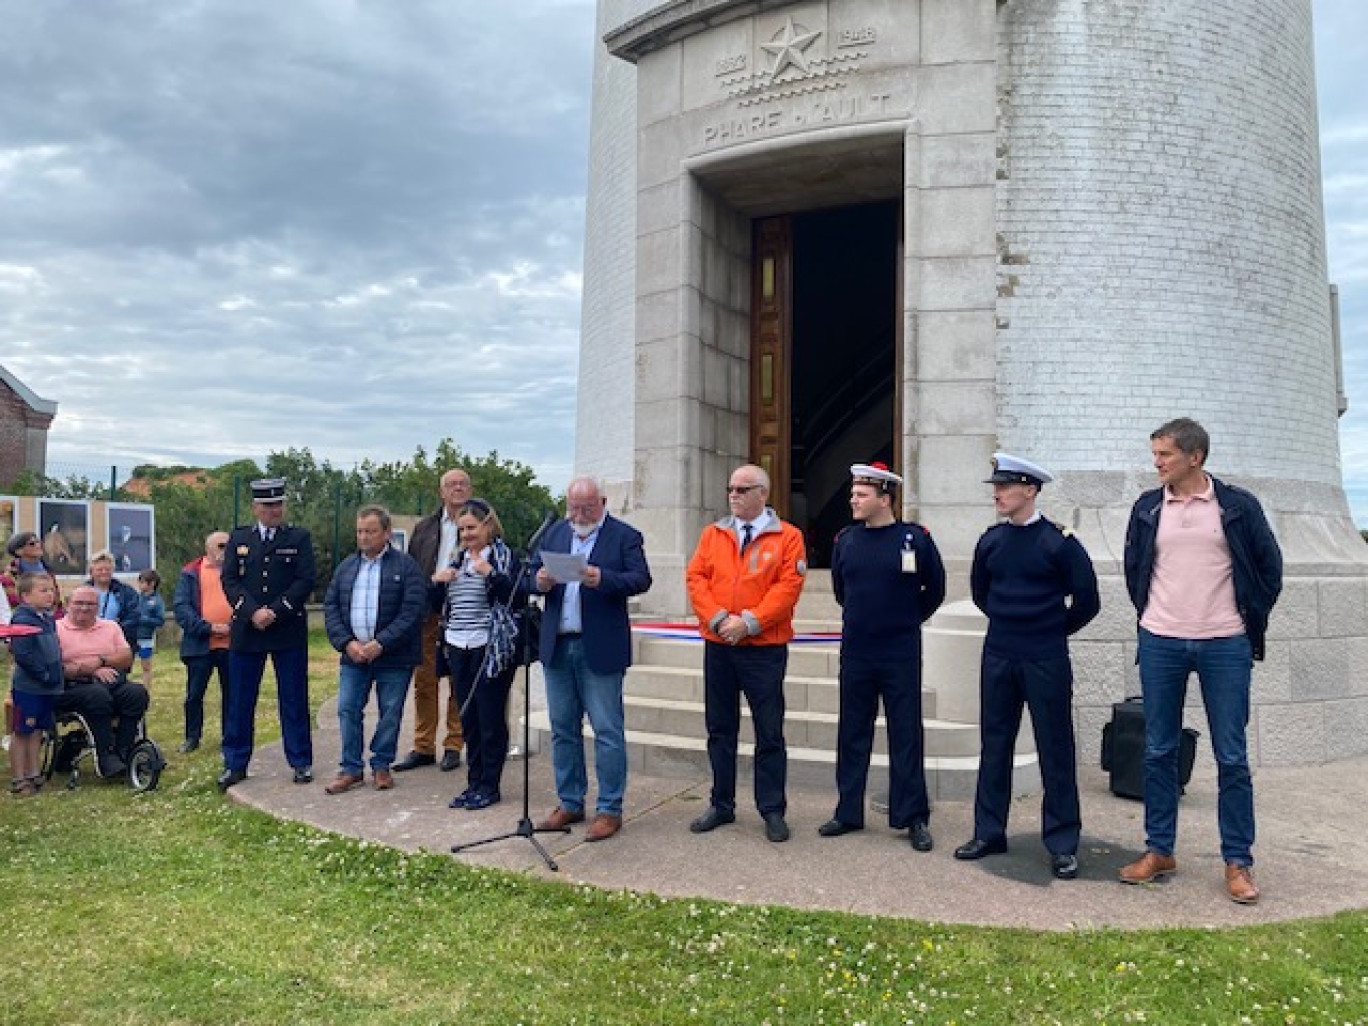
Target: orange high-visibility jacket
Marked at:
763, 586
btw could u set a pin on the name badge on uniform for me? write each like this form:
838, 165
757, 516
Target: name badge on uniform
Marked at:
909, 561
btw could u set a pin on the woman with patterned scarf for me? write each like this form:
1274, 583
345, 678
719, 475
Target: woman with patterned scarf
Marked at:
477, 591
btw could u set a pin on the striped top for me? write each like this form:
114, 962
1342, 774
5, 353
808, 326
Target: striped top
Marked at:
467, 612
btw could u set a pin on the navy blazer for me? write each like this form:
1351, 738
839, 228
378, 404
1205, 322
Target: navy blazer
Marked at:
620, 555
278, 575
399, 617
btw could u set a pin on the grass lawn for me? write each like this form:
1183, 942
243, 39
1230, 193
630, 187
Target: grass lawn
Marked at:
179, 906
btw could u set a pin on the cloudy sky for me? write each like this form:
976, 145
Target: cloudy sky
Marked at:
232, 226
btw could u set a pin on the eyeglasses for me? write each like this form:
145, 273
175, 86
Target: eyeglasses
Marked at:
741, 489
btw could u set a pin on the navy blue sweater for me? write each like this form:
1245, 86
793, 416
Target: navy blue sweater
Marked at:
1020, 579
37, 657
883, 607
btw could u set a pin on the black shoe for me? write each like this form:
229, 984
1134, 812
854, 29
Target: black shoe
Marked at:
451, 759
776, 829
1064, 867
187, 746
303, 775
920, 835
976, 849
711, 820
230, 777
413, 760
836, 828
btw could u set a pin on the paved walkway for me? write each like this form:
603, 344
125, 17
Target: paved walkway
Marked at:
1313, 839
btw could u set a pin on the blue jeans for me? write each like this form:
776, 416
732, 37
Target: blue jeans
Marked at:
1223, 667
572, 691
353, 691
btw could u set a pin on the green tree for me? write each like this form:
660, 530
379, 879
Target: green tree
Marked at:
190, 502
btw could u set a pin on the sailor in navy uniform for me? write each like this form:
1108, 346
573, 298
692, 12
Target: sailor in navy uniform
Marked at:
1035, 583
268, 576
889, 579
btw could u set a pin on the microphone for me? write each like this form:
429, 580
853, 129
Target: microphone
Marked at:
534, 543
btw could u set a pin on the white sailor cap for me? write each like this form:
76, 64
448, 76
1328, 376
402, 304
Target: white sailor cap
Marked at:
268, 489
876, 474
1008, 469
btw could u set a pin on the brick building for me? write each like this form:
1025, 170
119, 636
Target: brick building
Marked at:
24, 423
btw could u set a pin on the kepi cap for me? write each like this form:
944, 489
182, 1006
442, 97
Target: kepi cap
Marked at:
1008, 469
268, 489
876, 474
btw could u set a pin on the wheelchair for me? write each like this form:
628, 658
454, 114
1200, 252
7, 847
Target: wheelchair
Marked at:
72, 745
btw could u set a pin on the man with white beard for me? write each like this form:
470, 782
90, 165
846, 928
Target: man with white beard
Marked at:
586, 647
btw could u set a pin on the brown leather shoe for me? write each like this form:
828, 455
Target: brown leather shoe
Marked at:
1240, 885
383, 780
1149, 866
603, 827
344, 782
560, 819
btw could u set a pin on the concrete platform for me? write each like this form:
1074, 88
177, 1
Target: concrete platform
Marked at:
1313, 832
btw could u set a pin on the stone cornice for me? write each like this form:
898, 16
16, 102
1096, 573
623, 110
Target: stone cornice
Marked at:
676, 20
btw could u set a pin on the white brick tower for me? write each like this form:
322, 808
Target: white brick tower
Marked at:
1107, 215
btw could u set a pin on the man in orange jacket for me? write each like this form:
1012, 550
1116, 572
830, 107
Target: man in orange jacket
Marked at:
744, 581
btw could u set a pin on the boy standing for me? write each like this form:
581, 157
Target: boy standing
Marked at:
37, 679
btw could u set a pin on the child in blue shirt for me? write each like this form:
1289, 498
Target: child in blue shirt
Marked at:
152, 616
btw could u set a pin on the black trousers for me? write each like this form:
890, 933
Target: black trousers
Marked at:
1046, 687
101, 704
756, 671
199, 670
899, 685
484, 722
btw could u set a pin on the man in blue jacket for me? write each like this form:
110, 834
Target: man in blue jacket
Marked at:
586, 647
203, 613
373, 614
1203, 570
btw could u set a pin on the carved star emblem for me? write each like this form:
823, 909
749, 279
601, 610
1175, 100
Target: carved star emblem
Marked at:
788, 47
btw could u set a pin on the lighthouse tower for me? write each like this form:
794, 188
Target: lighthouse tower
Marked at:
829, 231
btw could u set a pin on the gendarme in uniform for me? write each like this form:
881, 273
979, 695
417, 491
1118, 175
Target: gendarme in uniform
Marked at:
268, 576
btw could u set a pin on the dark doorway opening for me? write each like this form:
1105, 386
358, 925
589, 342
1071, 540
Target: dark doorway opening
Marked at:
844, 360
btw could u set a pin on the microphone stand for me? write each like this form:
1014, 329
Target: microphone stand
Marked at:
526, 656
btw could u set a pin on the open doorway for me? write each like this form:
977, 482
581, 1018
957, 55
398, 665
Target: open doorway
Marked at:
827, 358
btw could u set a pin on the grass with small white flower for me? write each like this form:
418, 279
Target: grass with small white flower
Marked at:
179, 907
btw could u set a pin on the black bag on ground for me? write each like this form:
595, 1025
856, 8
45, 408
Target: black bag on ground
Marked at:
1123, 750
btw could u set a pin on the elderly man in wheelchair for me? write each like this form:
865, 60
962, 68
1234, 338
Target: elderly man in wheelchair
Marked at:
95, 661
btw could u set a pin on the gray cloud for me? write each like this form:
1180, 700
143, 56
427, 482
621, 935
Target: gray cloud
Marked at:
233, 227
230, 227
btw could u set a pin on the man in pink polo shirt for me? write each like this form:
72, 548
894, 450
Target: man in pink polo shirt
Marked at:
1203, 570
95, 661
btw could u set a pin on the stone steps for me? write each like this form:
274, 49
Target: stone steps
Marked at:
948, 777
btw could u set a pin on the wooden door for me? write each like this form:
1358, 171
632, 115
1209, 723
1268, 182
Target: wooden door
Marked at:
770, 358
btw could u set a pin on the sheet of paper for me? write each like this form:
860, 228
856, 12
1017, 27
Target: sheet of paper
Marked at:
564, 566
